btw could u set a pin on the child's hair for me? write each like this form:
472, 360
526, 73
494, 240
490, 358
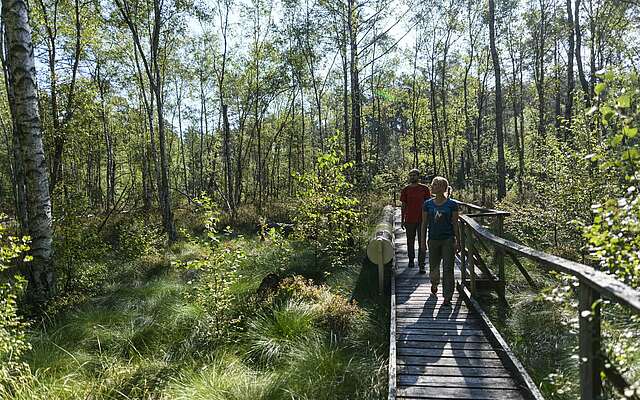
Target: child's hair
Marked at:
441, 181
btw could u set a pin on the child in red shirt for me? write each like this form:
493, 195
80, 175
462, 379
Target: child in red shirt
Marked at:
413, 197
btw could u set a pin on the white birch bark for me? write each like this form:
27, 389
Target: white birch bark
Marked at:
29, 131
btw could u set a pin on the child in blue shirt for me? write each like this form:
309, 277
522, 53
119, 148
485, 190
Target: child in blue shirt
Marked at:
440, 215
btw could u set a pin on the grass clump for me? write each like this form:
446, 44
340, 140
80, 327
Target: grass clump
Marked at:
226, 378
272, 335
321, 370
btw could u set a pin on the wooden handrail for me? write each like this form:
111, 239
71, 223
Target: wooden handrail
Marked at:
483, 211
605, 284
593, 285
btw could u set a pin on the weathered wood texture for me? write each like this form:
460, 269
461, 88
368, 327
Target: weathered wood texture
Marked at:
603, 283
443, 352
593, 286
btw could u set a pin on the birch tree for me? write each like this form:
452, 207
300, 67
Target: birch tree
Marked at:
28, 128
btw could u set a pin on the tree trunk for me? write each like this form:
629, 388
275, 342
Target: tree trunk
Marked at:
571, 84
28, 126
583, 80
414, 106
540, 71
356, 130
167, 214
502, 187
345, 90
152, 68
108, 140
181, 134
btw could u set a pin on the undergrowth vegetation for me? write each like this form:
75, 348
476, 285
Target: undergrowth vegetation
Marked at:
216, 315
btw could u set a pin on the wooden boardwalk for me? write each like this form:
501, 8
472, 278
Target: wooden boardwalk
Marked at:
443, 352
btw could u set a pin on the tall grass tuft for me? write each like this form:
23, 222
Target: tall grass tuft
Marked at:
271, 335
227, 378
322, 370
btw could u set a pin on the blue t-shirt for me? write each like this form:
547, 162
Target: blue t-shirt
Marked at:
440, 226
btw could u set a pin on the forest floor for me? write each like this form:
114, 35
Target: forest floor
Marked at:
188, 322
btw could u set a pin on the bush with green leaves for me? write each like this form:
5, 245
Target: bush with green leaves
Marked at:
136, 238
614, 235
327, 212
78, 247
13, 344
213, 274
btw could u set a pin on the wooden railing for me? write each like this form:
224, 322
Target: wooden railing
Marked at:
593, 287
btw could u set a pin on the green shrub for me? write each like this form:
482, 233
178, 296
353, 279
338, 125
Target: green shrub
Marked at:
327, 213
299, 288
339, 316
214, 275
136, 238
13, 371
78, 249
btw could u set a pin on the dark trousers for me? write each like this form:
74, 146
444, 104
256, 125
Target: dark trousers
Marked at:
442, 250
413, 230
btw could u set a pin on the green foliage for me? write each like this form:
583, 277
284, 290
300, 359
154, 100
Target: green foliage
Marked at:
213, 276
13, 371
78, 245
614, 235
135, 238
327, 213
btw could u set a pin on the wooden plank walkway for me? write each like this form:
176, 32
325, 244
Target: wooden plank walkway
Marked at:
441, 352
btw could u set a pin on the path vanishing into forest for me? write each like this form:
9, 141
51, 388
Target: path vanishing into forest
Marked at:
456, 352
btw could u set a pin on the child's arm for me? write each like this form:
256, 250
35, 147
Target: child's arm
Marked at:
423, 228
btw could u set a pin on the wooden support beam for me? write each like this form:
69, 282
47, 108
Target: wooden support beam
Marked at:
523, 271
589, 341
499, 258
472, 263
463, 252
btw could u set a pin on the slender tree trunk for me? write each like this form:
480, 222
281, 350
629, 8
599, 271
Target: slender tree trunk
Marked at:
167, 213
108, 140
181, 134
203, 119
592, 49
540, 70
29, 129
345, 89
583, 80
558, 94
414, 106
356, 130
571, 84
502, 187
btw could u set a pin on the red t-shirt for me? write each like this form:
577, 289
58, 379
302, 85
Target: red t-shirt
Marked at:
414, 197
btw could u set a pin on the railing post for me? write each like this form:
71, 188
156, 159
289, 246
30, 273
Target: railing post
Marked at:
590, 362
499, 258
463, 251
501, 274
381, 268
472, 263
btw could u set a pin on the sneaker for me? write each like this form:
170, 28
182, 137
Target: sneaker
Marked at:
434, 289
411, 264
422, 270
